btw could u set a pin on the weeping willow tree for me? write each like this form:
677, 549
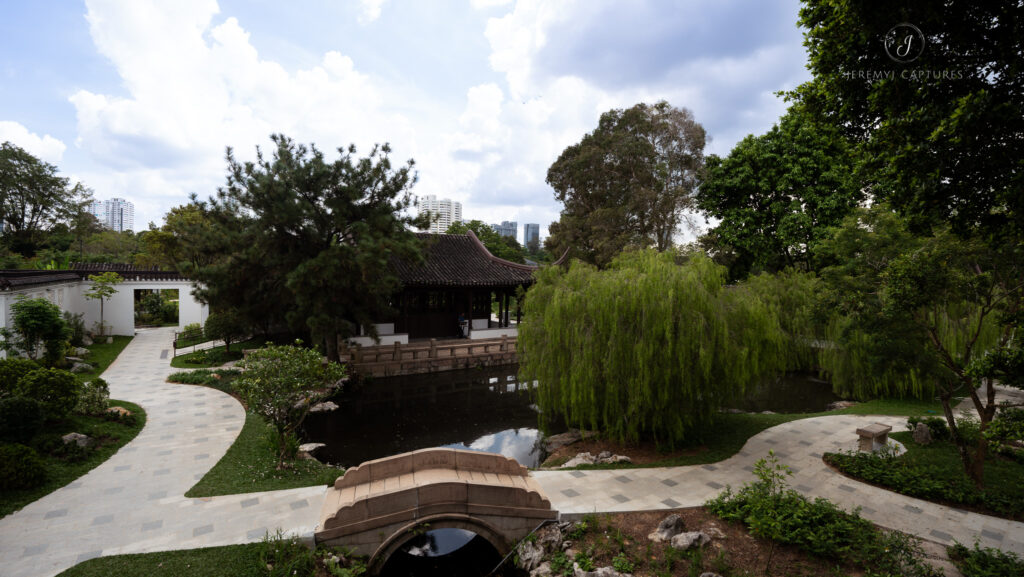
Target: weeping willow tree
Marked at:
649, 346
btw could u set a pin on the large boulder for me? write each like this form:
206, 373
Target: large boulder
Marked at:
530, 555
668, 528
689, 540
323, 407
77, 438
81, 368
542, 570
922, 434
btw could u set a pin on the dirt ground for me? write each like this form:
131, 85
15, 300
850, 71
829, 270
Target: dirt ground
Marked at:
735, 553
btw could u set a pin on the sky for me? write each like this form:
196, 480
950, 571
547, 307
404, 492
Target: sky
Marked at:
139, 99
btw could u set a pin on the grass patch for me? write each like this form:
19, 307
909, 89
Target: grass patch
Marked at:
216, 356
978, 562
219, 379
274, 556
935, 473
908, 407
101, 355
110, 434
250, 465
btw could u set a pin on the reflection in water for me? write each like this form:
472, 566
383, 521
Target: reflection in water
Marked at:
478, 409
473, 557
793, 393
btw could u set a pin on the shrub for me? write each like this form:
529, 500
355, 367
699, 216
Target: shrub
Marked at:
20, 419
978, 562
11, 371
38, 329
192, 333
76, 326
226, 326
622, 563
936, 425
94, 397
20, 468
203, 376
56, 390
282, 556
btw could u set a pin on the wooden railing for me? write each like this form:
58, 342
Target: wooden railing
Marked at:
431, 350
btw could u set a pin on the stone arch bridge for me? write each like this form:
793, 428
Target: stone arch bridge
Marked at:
377, 507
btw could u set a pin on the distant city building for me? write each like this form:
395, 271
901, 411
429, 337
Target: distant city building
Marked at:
116, 214
531, 233
447, 211
507, 228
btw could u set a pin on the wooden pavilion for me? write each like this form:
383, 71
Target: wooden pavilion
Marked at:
459, 278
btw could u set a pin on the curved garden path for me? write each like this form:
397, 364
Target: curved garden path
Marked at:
134, 502
799, 444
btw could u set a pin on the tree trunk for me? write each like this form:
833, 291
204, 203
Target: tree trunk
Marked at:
961, 447
331, 344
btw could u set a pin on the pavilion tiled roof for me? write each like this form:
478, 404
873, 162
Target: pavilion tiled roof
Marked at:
453, 260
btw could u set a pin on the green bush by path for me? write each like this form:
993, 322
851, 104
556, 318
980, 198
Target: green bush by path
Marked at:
251, 465
934, 472
216, 356
770, 509
987, 562
57, 391
219, 379
64, 465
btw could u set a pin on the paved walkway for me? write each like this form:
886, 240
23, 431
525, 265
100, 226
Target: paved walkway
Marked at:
134, 501
799, 444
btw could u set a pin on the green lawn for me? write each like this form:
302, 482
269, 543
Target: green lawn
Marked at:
229, 561
250, 465
934, 472
101, 355
112, 435
214, 357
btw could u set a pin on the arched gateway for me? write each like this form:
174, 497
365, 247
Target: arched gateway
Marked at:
379, 505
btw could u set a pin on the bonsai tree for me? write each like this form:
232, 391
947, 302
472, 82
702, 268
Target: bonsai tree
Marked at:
102, 289
281, 383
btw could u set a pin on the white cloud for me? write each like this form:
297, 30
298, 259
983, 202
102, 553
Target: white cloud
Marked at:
488, 4
43, 147
370, 10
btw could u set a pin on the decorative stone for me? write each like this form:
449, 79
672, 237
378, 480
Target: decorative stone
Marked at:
668, 528
310, 447
80, 351
323, 407
73, 359
81, 368
119, 410
922, 434
110, 340
77, 438
555, 442
530, 555
689, 540
87, 341
841, 405
709, 574
587, 458
542, 570
601, 572
579, 459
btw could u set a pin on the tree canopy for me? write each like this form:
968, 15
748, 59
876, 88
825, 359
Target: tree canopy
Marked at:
777, 194
500, 246
944, 132
627, 183
304, 242
33, 198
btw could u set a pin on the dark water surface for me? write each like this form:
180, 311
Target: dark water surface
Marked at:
479, 409
793, 393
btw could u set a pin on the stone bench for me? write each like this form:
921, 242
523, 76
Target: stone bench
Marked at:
873, 437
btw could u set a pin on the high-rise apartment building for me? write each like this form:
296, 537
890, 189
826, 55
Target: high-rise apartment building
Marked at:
507, 228
531, 233
116, 214
446, 211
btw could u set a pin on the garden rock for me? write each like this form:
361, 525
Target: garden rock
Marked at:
713, 531
542, 570
555, 442
530, 555
587, 458
709, 574
77, 438
668, 528
81, 368
87, 341
841, 405
120, 411
601, 572
80, 351
323, 407
922, 434
689, 540
306, 450
73, 359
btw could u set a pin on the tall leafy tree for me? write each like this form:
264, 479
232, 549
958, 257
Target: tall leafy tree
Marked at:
33, 198
500, 246
306, 241
943, 123
102, 287
179, 240
627, 183
777, 194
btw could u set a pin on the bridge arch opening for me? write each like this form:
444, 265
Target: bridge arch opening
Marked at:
411, 549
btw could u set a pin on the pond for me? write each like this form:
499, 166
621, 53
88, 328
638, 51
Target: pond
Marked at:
479, 409
792, 393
